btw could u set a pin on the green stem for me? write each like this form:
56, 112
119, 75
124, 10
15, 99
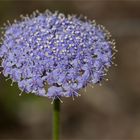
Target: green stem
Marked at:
56, 119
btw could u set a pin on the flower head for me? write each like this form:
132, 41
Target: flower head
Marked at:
67, 53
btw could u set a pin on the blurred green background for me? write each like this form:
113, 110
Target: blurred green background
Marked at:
107, 112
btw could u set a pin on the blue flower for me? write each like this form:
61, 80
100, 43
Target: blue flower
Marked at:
66, 53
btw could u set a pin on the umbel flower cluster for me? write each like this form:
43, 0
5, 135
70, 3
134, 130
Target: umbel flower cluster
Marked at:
65, 53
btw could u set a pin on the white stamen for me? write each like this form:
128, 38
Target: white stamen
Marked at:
12, 83
52, 100
20, 93
8, 79
60, 99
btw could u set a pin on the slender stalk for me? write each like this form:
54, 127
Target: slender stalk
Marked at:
56, 119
